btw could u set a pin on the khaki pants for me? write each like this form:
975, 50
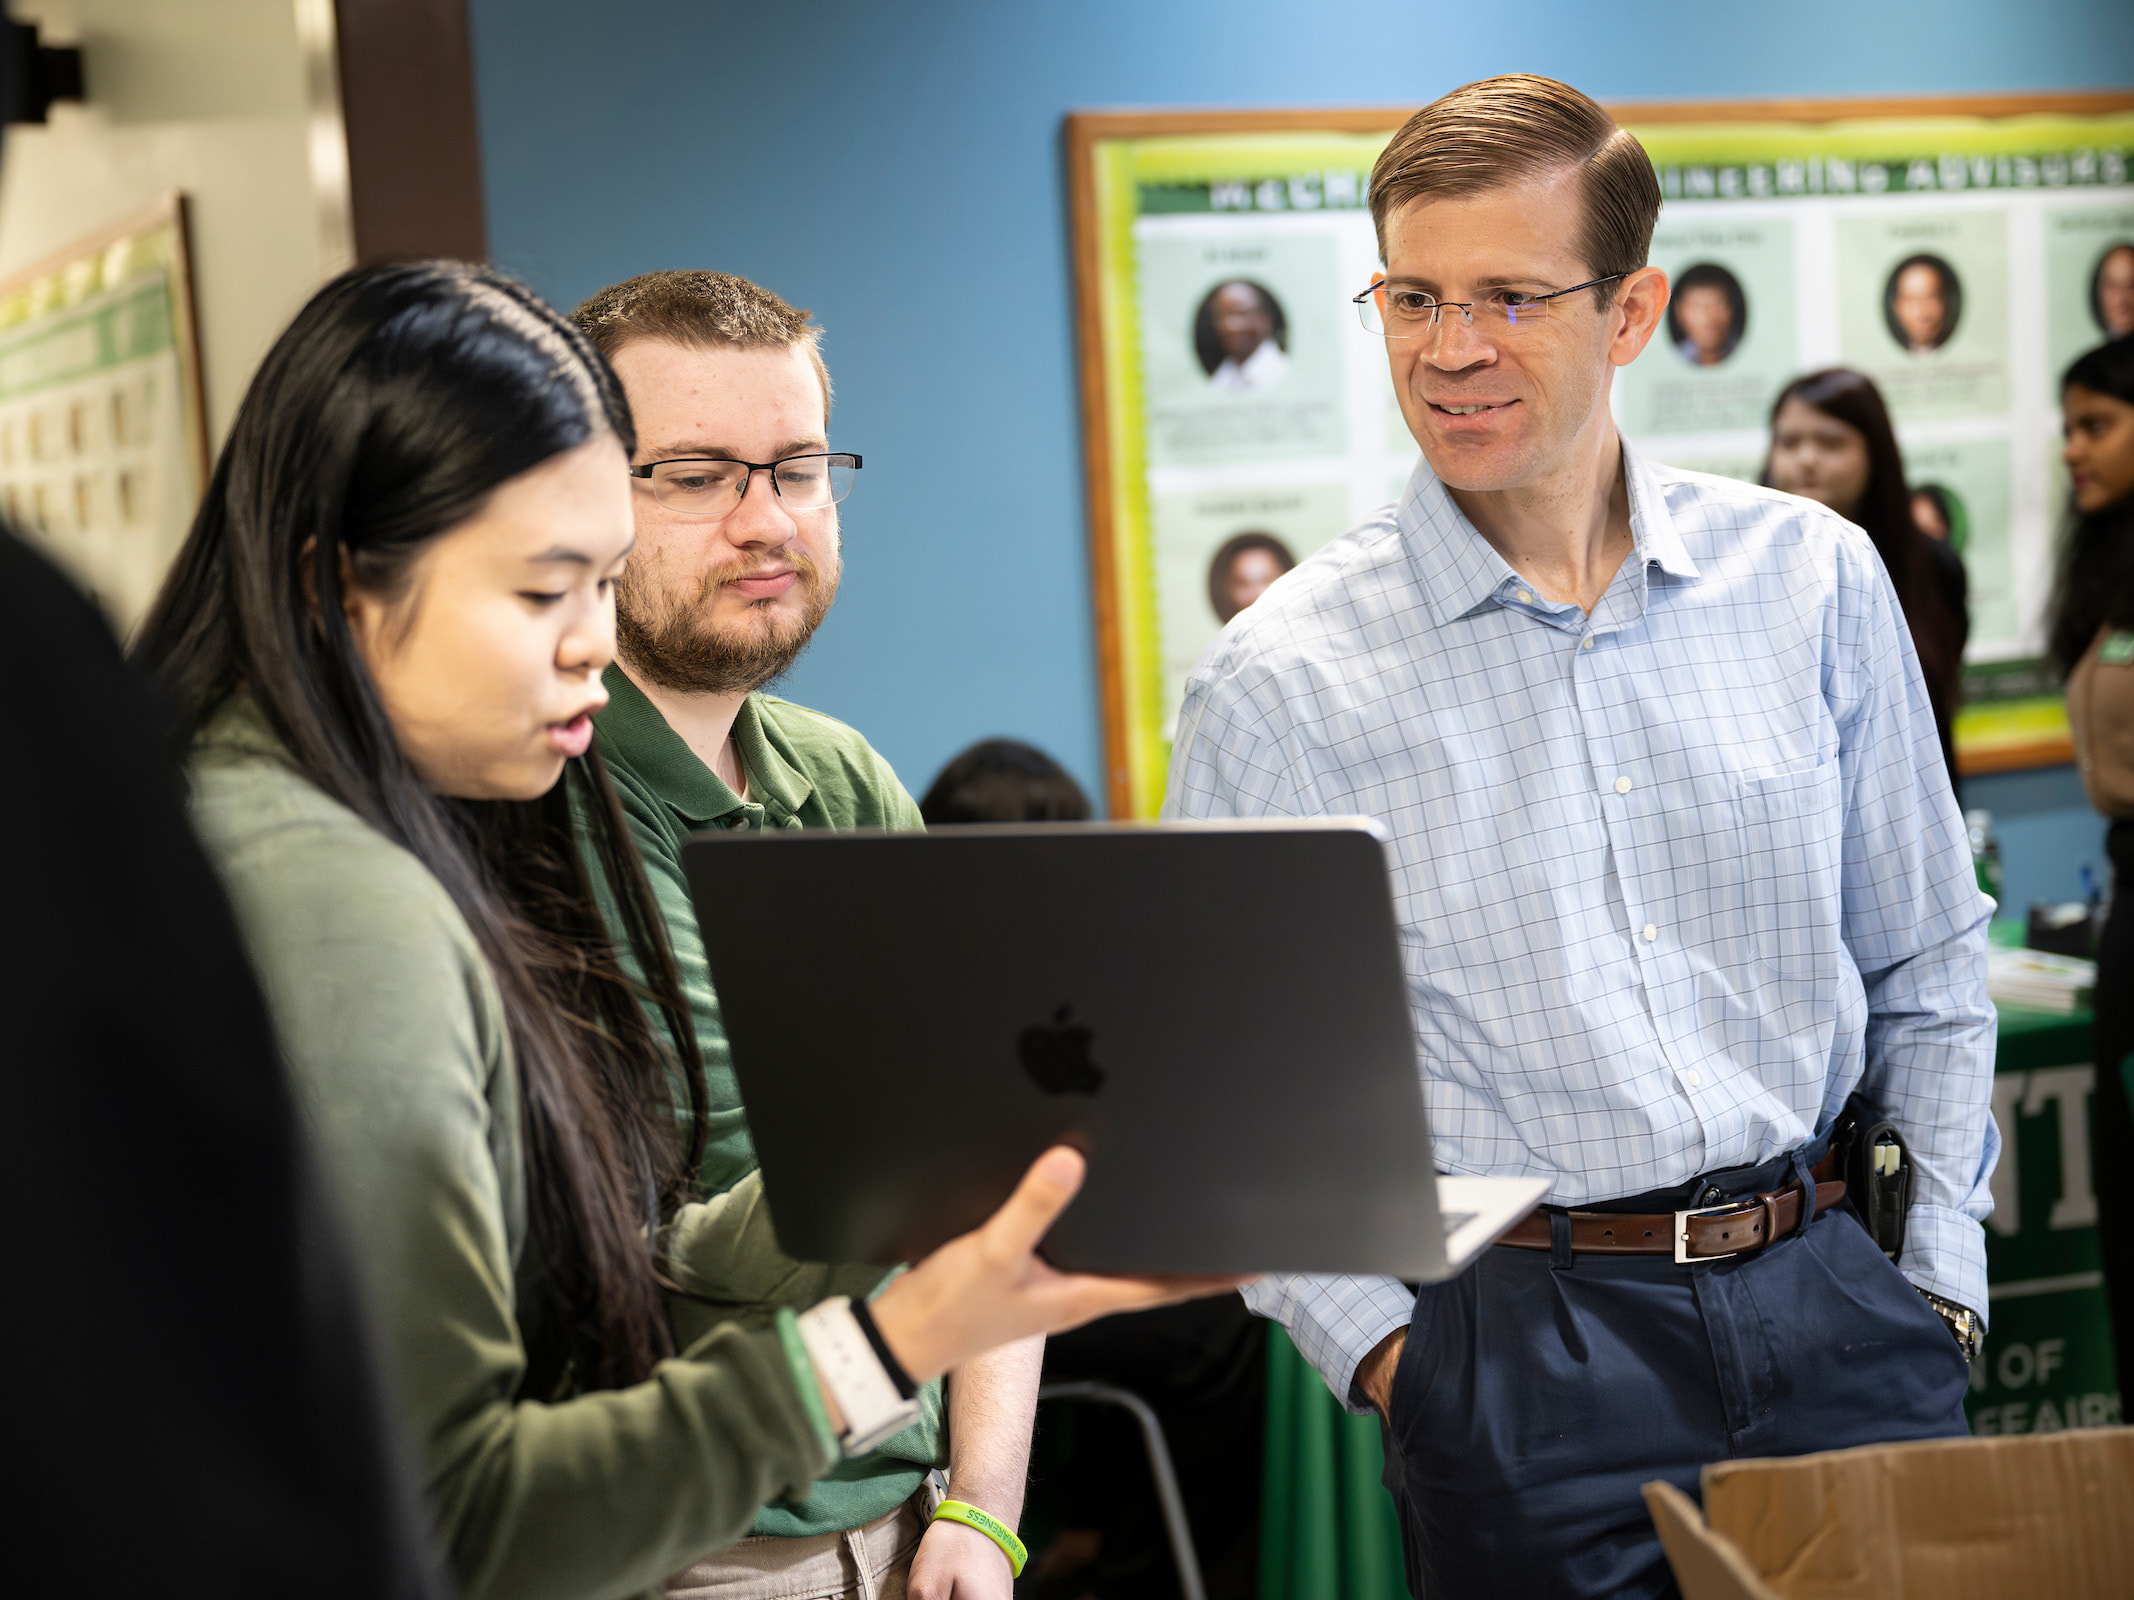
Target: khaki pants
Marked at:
864, 1563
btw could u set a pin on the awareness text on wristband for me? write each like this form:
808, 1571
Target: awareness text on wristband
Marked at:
991, 1526
882, 1352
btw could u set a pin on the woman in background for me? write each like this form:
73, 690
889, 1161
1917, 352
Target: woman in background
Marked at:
1831, 441
386, 632
2092, 640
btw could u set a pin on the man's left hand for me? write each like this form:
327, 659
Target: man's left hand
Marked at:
955, 1562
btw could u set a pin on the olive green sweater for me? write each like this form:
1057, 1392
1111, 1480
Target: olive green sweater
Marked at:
394, 1034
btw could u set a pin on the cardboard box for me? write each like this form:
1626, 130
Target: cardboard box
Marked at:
1955, 1519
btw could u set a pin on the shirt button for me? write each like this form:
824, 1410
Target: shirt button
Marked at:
1622, 785
1586, 643
1526, 597
738, 823
1651, 933
1692, 1080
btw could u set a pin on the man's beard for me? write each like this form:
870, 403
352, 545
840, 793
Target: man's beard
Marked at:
674, 646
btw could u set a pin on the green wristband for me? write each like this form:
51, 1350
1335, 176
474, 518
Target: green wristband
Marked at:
992, 1527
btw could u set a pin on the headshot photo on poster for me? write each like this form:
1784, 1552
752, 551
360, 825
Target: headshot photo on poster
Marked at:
1727, 343
1243, 569
1923, 309
1241, 337
2089, 278
1707, 314
2112, 291
1967, 486
1938, 511
1922, 303
1216, 552
1240, 352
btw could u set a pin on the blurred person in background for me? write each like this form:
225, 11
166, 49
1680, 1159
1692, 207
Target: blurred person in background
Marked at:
204, 1415
1202, 1366
385, 636
2092, 640
1831, 442
1003, 780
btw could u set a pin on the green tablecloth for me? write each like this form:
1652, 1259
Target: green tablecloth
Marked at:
2047, 1361
1327, 1526
1328, 1530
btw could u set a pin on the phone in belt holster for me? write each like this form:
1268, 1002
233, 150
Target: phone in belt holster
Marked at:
1876, 1165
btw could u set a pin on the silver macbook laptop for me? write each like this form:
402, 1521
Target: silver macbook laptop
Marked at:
1213, 1012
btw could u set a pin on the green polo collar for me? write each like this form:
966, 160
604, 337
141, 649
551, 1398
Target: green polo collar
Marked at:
635, 735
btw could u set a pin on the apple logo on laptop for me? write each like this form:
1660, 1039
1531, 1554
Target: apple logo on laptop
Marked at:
1056, 1055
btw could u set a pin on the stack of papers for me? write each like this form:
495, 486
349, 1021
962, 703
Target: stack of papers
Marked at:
2034, 978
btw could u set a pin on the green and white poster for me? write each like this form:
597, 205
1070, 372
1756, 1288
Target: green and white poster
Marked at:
1216, 552
1238, 347
2089, 279
1728, 344
1959, 261
102, 456
1971, 483
1923, 310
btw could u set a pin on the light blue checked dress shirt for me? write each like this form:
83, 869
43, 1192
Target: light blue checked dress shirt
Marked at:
1669, 879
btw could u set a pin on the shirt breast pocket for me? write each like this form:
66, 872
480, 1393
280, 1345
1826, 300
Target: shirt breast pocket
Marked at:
1792, 845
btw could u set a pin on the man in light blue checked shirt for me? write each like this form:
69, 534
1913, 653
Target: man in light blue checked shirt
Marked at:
1678, 869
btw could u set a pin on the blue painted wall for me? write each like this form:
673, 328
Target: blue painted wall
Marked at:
896, 168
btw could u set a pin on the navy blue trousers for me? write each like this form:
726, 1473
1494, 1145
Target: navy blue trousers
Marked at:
1534, 1396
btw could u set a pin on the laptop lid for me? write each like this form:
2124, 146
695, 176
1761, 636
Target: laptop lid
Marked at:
1214, 1013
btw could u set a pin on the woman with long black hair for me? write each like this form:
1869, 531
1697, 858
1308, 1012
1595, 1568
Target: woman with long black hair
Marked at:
2092, 640
1832, 442
386, 633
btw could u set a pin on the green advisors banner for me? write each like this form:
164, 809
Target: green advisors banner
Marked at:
1239, 417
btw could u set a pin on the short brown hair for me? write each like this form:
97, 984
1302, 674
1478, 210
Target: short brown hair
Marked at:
703, 310
1501, 130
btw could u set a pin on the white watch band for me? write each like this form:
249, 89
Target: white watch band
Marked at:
848, 1367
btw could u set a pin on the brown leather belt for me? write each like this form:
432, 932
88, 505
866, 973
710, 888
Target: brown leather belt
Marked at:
1731, 1228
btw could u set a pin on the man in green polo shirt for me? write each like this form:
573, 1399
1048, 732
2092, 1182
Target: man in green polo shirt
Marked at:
736, 566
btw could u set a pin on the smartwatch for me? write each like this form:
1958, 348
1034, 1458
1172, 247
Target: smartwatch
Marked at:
856, 1367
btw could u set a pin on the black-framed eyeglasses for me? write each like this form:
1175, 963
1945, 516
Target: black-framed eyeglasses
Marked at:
711, 486
1411, 314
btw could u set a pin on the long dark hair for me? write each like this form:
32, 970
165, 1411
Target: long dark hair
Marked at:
400, 397
1884, 514
2095, 583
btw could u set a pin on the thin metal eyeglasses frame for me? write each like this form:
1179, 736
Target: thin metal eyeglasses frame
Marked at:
1440, 307
754, 467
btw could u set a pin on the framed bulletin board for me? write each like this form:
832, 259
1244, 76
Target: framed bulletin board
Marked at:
1237, 417
103, 443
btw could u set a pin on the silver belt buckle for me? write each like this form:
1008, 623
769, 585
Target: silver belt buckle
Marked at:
1682, 1255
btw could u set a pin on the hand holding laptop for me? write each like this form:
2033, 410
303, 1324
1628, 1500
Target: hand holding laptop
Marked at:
989, 1287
